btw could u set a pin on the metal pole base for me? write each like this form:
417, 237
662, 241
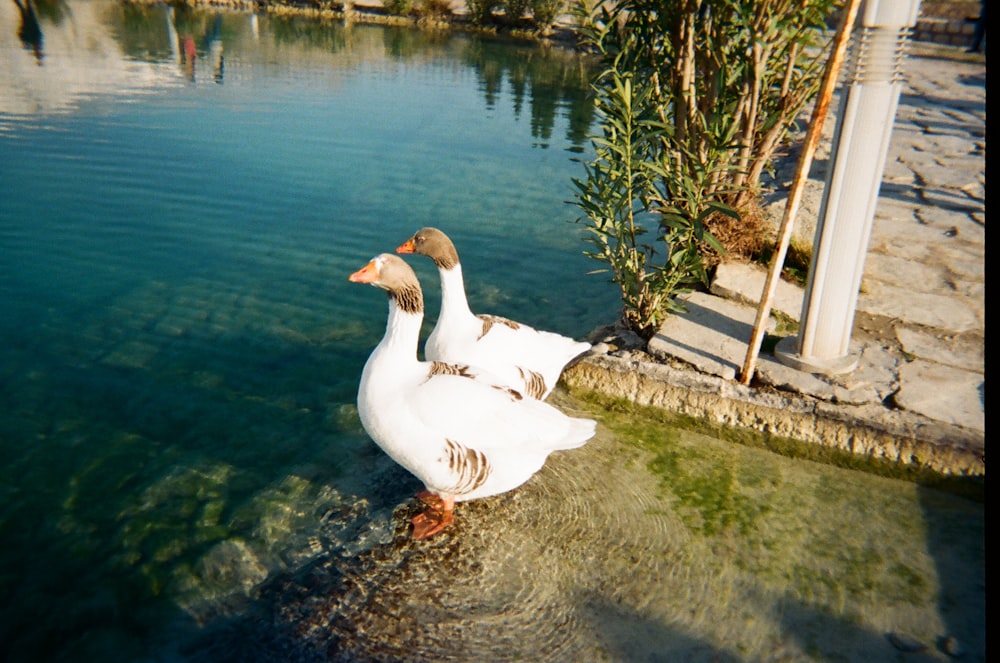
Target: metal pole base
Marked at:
786, 352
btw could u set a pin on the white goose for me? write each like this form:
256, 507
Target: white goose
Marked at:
527, 359
464, 436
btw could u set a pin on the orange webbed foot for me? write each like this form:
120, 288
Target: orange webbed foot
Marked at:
439, 515
431, 522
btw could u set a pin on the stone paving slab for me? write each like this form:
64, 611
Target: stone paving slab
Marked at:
940, 311
958, 352
874, 380
943, 393
711, 336
744, 283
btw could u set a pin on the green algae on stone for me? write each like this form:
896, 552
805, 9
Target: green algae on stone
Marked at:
709, 493
970, 487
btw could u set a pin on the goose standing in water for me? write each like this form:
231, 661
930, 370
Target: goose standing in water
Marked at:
464, 435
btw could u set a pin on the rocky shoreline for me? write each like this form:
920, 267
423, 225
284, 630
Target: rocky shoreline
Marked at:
871, 431
373, 11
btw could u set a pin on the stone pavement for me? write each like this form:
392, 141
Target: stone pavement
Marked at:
918, 394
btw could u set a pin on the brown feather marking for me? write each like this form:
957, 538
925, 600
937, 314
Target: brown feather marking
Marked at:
408, 298
471, 467
534, 383
513, 393
490, 320
444, 368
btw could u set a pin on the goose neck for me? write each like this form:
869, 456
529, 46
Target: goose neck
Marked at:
402, 332
453, 299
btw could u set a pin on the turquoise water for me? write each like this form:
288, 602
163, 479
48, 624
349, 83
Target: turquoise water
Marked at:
183, 473
181, 346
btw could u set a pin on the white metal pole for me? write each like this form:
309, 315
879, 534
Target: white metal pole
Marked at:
843, 229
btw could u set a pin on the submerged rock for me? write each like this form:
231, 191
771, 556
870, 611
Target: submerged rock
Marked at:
952, 647
906, 642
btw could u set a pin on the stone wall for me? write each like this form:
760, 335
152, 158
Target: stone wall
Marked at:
865, 430
946, 23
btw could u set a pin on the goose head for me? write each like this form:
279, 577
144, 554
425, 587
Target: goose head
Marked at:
392, 274
434, 244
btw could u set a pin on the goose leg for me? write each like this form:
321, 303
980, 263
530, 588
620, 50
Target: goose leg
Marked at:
429, 498
435, 518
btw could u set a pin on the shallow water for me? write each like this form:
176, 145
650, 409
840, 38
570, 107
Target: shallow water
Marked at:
184, 475
651, 543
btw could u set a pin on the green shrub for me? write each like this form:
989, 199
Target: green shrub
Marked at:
694, 96
481, 11
514, 10
436, 8
399, 7
648, 235
545, 12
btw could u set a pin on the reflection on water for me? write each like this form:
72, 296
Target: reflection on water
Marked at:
184, 475
130, 44
28, 30
210, 45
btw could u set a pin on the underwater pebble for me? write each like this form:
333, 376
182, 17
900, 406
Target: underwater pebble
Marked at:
906, 642
952, 647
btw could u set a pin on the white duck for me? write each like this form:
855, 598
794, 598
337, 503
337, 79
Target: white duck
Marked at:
462, 435
527, 359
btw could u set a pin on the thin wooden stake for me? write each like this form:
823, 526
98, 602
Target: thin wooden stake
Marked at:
815, 131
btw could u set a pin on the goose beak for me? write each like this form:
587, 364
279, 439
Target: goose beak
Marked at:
406, 247
367, 274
